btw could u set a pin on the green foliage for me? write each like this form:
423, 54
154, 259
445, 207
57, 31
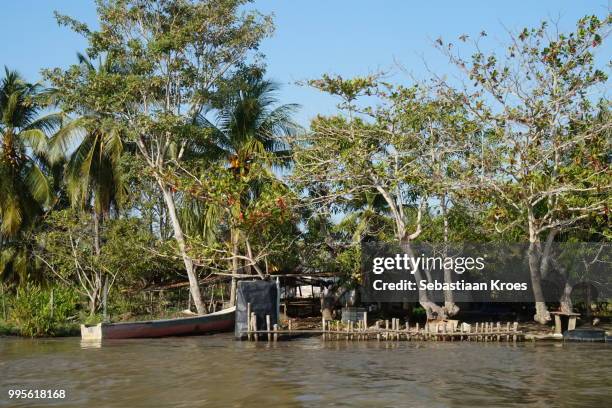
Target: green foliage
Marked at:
179, 105
418, 313
347, 89
131, 257
171, 58
544, 154
39, 311
25, 186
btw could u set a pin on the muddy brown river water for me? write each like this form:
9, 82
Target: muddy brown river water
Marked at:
215, 371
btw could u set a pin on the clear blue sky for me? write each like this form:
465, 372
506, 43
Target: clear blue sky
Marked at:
346, 37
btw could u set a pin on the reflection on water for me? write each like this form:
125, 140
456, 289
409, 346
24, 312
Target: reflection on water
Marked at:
215, 371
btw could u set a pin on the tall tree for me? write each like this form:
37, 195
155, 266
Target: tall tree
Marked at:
251, 127
25, 189
174, 53
366, 150
93, 146
539, 102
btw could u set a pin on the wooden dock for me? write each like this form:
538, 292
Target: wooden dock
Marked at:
388, 330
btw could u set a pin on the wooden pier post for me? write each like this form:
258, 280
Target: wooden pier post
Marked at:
514, 329
323, 326
254, 316
276, 334
249, 321
269, 327
396, 329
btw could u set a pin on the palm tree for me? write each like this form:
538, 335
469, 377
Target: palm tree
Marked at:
92, 147
25, 189
249, 129
93, 176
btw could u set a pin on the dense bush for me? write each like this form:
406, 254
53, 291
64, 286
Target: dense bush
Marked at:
39, 311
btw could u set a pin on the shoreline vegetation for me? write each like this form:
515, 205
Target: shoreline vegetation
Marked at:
63, 330
159, 168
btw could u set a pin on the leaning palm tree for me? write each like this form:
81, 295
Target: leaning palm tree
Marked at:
25, 190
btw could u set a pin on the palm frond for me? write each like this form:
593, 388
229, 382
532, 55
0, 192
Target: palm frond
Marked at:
66, 138
38, 184
11, 218
47, 123
36, 140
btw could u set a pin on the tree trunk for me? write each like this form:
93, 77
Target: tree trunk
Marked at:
96, 234
234, 239
449, 300
565, 302
328, 301
105, 299
194, 287
432, 310
93, 305
542, 315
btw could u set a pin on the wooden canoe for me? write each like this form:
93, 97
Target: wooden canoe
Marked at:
221, 321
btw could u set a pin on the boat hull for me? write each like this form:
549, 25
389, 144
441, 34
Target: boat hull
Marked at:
222, 321
587, 335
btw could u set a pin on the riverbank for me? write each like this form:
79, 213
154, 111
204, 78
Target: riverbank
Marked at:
7, 329
531, 330
63, 330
